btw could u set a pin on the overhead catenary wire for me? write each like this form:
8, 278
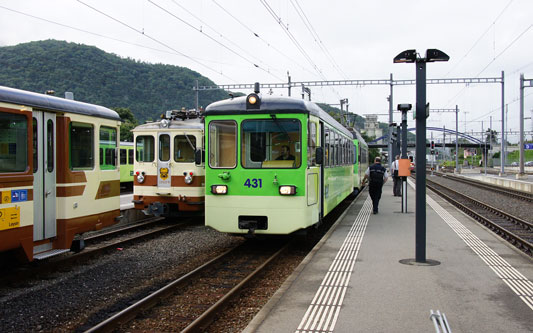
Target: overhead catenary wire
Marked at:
292, 38
154, 39
211, 38
255, 34
100, 35
480, 38
316, 37
222, 36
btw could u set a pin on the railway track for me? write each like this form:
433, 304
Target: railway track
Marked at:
507, 191
515, 230
97, 244
190, 303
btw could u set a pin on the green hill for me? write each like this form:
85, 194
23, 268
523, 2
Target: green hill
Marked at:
95, 76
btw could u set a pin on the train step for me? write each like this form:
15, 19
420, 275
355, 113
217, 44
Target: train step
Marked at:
48, 254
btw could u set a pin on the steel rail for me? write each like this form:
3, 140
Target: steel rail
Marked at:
149, 301
207, 317
153, 299
514, 239
53, 264
510, 192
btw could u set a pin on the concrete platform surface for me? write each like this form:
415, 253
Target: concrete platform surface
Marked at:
354, 281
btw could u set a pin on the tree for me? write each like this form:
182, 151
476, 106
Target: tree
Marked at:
129, 123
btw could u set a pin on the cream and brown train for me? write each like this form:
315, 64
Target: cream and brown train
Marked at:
167, 181
59, 174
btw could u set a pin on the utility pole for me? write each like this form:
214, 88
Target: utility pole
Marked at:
502, 149
456, 139
289, 83
391, 119
521, 174
196, 95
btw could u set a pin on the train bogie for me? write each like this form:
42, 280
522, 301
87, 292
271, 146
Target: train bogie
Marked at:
58, 172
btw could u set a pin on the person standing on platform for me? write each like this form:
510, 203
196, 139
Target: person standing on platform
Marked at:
377, 176
397, 187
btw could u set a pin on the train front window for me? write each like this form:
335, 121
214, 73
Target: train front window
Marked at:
222, 144
144, 148
13, 143
271, 143
184, 147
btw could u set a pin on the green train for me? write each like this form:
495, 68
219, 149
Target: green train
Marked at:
107, 150
127, 150
276, 165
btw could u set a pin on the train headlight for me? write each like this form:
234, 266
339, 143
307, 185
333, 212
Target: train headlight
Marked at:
188, 177
140, 177
219, 189
287, 190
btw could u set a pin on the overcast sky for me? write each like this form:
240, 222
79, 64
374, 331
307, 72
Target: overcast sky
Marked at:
248, 41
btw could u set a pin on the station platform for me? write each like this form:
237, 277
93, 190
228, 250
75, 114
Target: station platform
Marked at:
508, 180
354, 281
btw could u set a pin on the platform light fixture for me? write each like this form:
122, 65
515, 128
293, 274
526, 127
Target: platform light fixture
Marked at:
410, 56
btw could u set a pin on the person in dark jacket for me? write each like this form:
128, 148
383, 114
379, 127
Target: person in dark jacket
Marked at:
377, 176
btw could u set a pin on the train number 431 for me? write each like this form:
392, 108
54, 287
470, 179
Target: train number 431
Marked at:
254, 183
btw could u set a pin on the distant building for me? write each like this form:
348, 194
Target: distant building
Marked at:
372, 126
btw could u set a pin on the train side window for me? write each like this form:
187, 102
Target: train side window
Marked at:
81, 146
101, 151
35, 147
108, 145
123, 156
144, 148
183, 152
327, 151
13, 142
311, 144
130, 156
50, 145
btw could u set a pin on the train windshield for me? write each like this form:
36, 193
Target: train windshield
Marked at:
271, 143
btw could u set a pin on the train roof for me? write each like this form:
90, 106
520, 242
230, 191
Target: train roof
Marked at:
195, 124
359, 138
272, 105
51, 103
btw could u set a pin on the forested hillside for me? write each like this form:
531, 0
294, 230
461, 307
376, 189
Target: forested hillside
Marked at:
95, 76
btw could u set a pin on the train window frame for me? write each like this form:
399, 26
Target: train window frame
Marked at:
35, 145
192, 139
131, 153
163, 155
123, 156
211, 157
82, 146
327, 151
297, 158
311, 143
108, 145
146, 152
19, 144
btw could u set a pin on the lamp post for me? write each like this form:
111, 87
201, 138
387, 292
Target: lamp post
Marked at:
421, 113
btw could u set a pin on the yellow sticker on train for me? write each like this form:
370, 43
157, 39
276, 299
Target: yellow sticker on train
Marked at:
9, 218
6, 197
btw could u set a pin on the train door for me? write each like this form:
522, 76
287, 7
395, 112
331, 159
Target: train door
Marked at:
325, 156
44, 174
313, 172
163, 163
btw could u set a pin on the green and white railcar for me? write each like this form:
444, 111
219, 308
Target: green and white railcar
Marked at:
251, 187
361, 161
